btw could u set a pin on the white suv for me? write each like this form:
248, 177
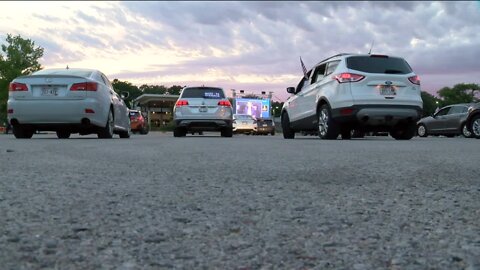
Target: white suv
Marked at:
355, 92
201, 109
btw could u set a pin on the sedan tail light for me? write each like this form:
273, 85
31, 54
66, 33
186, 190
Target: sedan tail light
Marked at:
181, 102
414, 79
225, 103
85, 86
14, 87
348, 77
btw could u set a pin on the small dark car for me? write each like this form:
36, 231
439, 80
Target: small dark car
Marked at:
138, 122
448, 121
473, 120
265, 127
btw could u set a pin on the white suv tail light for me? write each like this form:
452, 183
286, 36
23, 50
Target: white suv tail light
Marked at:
414, 79
348, 77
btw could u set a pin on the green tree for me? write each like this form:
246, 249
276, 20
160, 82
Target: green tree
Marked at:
430, 103
459, 93
124, 86
175, 89
153, 89
18, 57
277, 108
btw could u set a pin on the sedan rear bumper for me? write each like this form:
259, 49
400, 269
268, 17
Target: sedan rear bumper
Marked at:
61, 112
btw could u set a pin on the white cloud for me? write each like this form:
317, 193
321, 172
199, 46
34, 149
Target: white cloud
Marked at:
252, 45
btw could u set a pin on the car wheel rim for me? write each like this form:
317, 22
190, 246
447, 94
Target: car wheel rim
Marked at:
323, 122
421, 131
476, 127
465, 131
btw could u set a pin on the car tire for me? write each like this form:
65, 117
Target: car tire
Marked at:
403, 132
227, 132
125, 134
107, 131
422, 130
327, 127
475, 126
22, 133
465, 132
288, 132
179, 132
272, 133
62, 134
357, 134
346, 134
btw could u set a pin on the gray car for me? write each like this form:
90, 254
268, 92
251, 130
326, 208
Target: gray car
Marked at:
201, 109
448, 121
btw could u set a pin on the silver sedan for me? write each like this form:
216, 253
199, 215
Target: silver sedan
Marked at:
448, 121
66, 101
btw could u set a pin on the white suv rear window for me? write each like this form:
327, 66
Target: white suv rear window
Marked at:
379, 64
203, 92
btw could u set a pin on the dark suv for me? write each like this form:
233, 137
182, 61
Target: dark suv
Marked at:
138, 122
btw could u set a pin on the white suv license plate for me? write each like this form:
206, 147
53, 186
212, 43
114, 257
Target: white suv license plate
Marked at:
49, 91
386, 90
203, 109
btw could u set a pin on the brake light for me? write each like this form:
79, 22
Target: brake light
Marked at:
379, 55
346, 111
348, 77
225, 103
414, 79
14, 87
10, 111
181, 103
85, 86
88, 110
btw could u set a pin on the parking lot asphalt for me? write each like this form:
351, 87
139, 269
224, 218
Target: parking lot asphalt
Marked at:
248, 202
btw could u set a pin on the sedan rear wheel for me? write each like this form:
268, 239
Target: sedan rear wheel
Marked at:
22, 133
62, 134
107, 131
422, 130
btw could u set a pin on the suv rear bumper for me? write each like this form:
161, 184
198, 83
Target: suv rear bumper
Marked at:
203, 124
377, 115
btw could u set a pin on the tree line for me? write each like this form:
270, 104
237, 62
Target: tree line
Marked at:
19, 56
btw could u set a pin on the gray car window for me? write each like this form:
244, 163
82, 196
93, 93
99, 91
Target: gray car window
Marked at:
456, 110
443, 111
331, 66
319, 73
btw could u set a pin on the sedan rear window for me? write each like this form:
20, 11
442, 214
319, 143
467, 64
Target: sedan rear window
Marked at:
203, 92
379, 64
80, 73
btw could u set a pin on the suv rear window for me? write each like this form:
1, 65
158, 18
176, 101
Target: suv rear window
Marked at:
203, 92
372, 64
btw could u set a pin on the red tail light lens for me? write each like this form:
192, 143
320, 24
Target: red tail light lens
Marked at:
85, 86
348, 77
225, 103
89, 110
414, 79
181, 103
10, 111
14, 87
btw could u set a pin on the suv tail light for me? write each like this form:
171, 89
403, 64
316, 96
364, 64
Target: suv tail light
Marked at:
225, 103
348, 77
414, 79
181, 103
85, 86
14, 87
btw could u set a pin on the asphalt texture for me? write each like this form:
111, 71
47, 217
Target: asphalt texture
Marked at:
248, 202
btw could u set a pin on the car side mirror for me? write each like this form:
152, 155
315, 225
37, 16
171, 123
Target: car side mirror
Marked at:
291, 90
125, 95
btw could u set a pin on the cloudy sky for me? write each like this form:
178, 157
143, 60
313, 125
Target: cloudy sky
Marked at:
254, 46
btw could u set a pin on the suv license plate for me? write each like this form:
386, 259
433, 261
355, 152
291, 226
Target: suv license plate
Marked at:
387, 90
203, 109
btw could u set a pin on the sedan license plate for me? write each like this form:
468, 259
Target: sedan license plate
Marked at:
49, 91
203, 109
387, 90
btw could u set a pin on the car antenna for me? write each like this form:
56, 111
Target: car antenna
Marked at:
371, 47
68, 67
